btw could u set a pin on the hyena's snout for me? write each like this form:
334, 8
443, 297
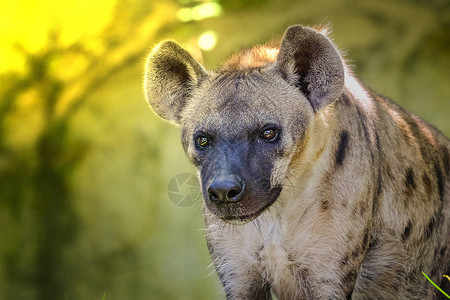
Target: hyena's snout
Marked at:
226, 188
237, 188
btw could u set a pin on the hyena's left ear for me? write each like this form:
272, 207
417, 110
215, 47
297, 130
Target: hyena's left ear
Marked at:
170, 78
310, 61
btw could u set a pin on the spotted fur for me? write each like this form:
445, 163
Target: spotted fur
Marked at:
350, 201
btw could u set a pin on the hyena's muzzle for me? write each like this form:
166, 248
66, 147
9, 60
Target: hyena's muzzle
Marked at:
236, 183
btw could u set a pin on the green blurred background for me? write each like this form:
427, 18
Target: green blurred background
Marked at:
85, 164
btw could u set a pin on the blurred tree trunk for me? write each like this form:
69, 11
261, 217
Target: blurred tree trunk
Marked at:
42, 179
58, 223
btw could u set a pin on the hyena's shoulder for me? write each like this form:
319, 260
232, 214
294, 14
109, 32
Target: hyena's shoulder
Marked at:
409, 161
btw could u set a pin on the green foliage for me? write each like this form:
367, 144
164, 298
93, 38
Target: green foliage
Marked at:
435, 285
236, 4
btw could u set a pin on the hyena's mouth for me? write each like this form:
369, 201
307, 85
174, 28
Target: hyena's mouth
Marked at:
240, 215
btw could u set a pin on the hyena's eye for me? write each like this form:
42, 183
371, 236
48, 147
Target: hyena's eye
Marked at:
270, 134
201, 141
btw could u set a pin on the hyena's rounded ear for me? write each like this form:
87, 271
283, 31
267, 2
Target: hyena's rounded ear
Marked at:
171, 76
309, 60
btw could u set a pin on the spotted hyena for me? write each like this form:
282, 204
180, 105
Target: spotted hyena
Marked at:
314, 186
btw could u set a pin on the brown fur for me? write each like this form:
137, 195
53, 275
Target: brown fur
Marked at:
352, 201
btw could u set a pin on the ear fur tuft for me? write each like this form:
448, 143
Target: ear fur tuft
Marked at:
171, 76
309, 60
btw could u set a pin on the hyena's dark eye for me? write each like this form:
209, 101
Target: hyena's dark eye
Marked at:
270, 134
202, 141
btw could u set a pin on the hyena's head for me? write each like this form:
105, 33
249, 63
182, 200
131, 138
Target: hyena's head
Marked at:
240, 126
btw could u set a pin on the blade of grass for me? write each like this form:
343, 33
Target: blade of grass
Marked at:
435, 285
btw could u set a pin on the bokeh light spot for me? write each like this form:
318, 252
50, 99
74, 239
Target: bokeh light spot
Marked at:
207, 40
199, 12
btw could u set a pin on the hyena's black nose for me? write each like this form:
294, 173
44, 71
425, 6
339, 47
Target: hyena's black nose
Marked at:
226, 189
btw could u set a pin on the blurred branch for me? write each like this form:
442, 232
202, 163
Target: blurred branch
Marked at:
62, 77
115, 58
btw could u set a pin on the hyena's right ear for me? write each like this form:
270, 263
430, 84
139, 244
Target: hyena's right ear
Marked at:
171, 76
309, 60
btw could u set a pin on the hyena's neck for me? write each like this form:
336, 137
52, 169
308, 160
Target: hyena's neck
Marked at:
389, 152
363, 146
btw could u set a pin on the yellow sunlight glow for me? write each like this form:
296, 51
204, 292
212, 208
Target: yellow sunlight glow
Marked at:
26, 24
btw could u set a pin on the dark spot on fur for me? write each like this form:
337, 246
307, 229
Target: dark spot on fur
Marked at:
344, 260
304, 272
377, 194
442, 251
378, 189
436, 250
283, 74
356, 252
196, 161
291, 257
434, 271
349, 295
409, 180
342, 147
373, 242
365, 239
372, 156
345, 100
362, 209
430, 227
258, 253
427, 183
280, 152
308, 290
440, 181
362, 121
418, 135
258, 257
259, 290
350, 277
410, 277
407, 231
324, 205
378, 142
